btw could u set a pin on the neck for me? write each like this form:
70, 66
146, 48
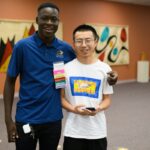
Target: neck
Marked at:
87, 60
46, 40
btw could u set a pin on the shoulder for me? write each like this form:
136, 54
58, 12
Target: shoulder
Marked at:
71, 63
104, 66
63, 43
66, 48
24, 42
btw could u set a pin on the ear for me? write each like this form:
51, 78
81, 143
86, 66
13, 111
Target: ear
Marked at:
96, 42
73, 46
37, 20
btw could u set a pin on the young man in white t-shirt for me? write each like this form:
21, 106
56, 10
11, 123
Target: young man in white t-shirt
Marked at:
87, 94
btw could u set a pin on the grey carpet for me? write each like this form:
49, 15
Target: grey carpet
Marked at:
128, 118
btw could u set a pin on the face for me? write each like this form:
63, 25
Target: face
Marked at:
84, 44
48, 21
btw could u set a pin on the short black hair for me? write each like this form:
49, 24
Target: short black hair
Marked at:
44, 5
86, 27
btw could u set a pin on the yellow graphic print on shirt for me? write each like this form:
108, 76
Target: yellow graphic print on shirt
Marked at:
84, 86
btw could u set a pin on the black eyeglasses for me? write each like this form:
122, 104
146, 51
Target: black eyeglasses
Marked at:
79, 42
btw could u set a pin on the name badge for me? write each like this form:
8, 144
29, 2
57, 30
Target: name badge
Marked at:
59, 75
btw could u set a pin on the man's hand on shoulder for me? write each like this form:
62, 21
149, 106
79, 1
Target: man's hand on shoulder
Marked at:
112, 77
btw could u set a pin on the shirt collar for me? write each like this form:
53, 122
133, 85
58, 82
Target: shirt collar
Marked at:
40, 43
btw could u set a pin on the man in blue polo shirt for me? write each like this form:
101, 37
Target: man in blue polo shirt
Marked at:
39, 112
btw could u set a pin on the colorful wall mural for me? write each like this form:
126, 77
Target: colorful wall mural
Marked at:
10, 32
113, 47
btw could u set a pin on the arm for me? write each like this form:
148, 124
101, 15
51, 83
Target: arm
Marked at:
9, 89
112, 77
65, 104
105, 103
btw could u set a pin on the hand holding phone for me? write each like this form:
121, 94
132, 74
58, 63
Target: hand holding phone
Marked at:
91, 108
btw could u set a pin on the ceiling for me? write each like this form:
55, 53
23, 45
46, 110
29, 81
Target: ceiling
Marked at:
136, 2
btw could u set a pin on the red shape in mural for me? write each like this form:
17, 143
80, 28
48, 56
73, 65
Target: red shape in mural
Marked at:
123, 35
101, 56
31, 30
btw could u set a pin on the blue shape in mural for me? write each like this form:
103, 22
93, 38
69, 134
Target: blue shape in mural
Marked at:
115, 51
105, 34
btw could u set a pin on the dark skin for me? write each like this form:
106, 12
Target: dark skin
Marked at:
48, 21
8, 102
112, 77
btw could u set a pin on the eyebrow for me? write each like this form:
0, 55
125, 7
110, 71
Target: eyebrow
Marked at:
89, 38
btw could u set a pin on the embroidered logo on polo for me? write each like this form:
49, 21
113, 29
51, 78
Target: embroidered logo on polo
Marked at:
59, 54
84, 86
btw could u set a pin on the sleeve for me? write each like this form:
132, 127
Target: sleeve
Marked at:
107, 89
15, 64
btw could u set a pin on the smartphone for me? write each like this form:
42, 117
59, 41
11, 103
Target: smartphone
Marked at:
91, 108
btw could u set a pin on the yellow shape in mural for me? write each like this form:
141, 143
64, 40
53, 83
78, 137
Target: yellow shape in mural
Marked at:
3, 68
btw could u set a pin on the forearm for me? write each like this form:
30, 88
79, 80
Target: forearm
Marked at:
66, 105
105, 102
8, 99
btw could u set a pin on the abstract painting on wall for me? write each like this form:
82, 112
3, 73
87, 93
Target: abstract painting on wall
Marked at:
113, 47
12, 31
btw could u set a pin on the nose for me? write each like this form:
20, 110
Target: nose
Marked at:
83, 43
49, 21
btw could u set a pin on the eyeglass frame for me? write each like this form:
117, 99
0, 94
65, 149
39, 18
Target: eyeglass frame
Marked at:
87, 41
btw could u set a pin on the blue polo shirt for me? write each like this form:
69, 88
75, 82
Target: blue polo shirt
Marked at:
39, 101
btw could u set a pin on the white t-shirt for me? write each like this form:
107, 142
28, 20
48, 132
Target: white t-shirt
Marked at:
85, 85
